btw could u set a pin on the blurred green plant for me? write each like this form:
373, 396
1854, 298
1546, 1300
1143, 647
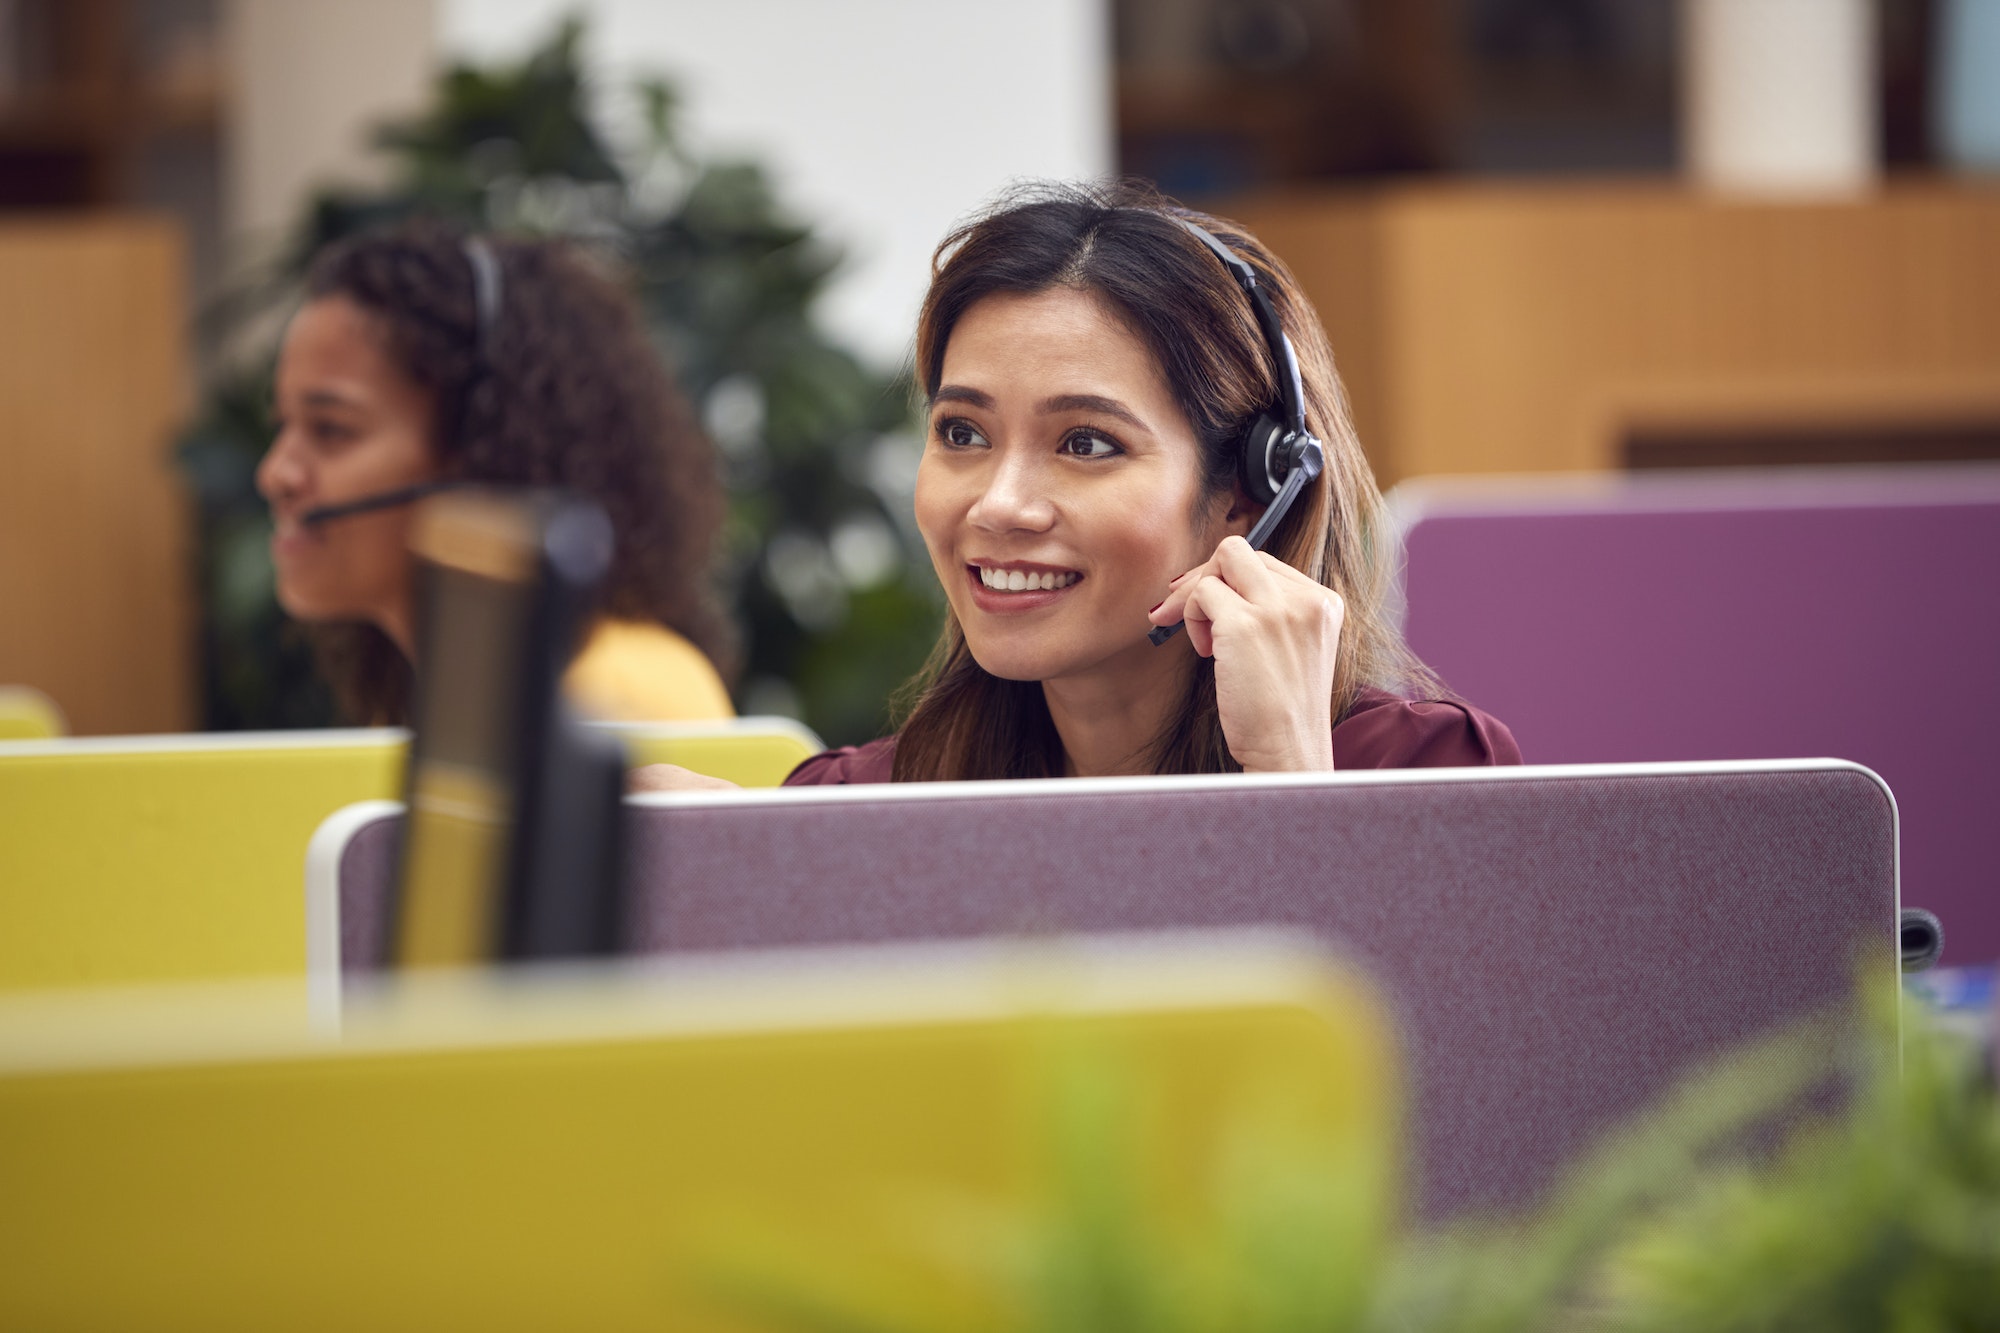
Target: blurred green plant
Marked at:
1885, 1219
1883, 1216
821, 567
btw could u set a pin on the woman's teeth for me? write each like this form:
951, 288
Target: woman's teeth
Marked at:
1014, 580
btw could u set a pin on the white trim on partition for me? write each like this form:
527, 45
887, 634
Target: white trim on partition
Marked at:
323, 854
204, 742
1672, 490
332, 738
999, 790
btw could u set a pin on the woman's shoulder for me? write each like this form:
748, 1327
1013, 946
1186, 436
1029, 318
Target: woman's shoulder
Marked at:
640, 671
873, 762
1383, 730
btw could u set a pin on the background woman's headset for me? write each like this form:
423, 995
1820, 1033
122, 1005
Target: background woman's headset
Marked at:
1277, 457
486, 299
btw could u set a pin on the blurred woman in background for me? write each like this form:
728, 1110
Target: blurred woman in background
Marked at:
424, 356
1091, 367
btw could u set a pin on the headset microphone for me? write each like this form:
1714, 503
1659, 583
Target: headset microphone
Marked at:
1280, 457
402, 495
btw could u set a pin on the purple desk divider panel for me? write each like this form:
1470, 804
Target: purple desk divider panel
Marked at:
1852, 613
1558, 945
368, 867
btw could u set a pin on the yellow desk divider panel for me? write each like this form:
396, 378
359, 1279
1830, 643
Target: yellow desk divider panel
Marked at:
129, 860
748, 751
596, 1150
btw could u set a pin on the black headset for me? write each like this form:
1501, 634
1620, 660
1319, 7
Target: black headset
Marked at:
1277, 456
486, 297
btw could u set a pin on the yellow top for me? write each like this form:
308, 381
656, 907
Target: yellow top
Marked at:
28, 715
631, 671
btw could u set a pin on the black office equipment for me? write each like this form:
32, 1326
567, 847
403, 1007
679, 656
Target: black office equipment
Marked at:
513, 844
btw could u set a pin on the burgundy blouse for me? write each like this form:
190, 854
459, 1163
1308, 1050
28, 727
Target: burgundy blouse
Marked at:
1380, 731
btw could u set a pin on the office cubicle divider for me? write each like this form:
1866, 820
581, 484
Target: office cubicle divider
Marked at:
1558, 944
607, 1149
1739, 614
135, 859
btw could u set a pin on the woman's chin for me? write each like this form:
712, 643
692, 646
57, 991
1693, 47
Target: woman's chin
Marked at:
1016, 657
302, 609
1009, 661
308, 608
1010, 671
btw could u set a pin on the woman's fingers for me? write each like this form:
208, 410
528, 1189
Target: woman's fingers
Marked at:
1168, 612
1255, 574
1209, 601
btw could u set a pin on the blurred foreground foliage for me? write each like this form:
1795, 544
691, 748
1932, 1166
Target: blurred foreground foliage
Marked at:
1883, 1217
822, 569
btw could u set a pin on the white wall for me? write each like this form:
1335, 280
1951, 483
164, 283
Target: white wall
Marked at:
308, 84
882, 121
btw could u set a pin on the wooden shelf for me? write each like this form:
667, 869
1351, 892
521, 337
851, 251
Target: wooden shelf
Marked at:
91, 101
1547, 327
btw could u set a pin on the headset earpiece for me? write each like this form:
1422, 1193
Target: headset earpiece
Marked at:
1277, 456
1264, 459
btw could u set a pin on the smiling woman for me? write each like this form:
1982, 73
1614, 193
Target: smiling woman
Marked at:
1105, 379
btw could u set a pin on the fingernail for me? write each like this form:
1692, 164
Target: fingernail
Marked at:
1157, 605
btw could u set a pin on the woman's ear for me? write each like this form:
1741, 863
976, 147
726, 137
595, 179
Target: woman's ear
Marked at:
1243, 512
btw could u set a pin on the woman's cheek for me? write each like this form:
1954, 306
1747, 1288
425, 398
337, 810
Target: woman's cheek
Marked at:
934, 509
1132, 551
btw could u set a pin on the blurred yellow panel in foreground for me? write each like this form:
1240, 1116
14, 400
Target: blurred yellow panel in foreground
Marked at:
608, 1149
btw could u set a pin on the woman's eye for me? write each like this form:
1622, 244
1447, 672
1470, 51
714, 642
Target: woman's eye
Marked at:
1089, 444
329, 432
958, 433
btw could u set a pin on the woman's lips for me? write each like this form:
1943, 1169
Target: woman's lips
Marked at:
995, 602
289, 536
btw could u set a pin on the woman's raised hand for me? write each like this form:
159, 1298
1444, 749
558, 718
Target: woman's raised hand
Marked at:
672, 777
1274, 635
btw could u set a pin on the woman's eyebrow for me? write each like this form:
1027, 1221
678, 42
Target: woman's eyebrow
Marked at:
1062, 402
327, 398
959, 393
1090, 402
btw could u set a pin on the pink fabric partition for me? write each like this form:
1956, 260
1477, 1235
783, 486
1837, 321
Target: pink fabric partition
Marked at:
1741, 615
1558, 948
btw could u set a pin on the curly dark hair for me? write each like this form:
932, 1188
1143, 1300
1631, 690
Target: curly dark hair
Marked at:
565, 389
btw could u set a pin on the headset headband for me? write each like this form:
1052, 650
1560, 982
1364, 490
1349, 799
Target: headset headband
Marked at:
485, 292
1291, 391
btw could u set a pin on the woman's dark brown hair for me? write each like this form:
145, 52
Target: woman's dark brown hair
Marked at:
565, 389
1119, 243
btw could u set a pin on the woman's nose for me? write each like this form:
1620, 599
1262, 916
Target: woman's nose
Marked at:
280, 473
1015, 497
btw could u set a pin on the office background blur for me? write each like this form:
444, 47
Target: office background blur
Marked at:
1545, 235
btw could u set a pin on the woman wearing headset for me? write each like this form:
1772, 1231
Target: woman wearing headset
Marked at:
1096, 376
422, 356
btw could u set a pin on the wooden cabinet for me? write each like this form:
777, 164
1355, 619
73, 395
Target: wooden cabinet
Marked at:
94, 526
1559, 327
